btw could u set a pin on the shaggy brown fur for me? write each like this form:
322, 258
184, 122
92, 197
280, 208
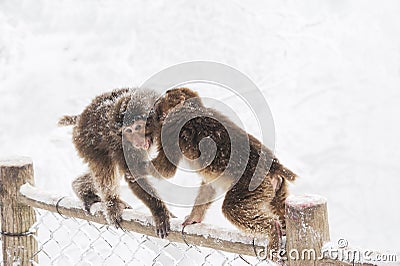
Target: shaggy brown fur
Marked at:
98, 137
258, 211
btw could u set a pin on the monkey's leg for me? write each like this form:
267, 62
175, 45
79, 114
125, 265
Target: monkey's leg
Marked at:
278, 203
203, 201
146, 193
250, 211
84, 188
107, 183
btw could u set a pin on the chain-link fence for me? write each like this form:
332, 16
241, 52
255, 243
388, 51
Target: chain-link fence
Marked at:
41, 228
71, 241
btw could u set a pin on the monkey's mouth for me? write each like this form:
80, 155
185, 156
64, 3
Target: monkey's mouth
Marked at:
143, 143
147, 143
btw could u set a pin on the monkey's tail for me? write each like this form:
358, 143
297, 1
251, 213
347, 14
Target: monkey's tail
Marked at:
68, 120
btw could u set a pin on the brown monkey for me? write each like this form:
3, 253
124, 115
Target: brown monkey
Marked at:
111, 126
180, 112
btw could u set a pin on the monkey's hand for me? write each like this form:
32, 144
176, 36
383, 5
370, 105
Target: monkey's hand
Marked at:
192, 219
161, 221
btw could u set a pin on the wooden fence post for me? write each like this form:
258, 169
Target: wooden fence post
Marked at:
307, 229
18, 244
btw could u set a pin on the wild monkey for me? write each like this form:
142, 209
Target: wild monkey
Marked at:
260, 210
112, 125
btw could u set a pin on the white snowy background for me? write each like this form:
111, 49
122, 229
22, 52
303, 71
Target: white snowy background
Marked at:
330, 71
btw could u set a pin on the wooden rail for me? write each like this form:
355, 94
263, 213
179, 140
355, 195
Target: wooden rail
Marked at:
306, 219
203, 235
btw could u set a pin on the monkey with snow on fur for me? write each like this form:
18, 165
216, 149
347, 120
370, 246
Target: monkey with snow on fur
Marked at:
112, 123
259, 211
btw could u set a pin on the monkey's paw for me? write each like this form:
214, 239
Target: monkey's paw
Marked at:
87, 205
114, 210
161, 221
172, 215
191, 219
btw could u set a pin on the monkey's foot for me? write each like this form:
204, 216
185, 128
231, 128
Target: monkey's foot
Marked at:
87, 205
191, 220
162, 224
114, 210
125, 205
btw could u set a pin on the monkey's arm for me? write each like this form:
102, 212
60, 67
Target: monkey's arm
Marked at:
203, 201
146, 193
161, 166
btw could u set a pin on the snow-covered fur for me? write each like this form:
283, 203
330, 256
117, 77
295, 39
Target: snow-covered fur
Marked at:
259, 210
97, 136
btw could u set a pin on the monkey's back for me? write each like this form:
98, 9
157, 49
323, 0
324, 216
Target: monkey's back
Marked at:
97, 133
95, 129
236, 151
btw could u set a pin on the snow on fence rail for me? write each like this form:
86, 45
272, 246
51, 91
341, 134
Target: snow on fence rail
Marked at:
64, 234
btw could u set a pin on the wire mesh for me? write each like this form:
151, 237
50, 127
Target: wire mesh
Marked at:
70, 241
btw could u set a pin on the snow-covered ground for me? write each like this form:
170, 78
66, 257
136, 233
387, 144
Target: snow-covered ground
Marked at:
330, 71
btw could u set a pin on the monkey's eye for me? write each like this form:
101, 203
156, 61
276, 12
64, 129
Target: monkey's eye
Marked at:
138, 127
128, 130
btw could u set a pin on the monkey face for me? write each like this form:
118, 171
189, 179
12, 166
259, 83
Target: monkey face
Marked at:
135, 135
